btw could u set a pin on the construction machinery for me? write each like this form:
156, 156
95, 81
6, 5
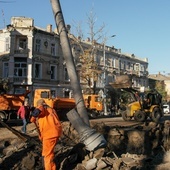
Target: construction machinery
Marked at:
93, 103
140, 105
145, 105
9, 105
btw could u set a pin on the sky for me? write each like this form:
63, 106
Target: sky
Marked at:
142, 27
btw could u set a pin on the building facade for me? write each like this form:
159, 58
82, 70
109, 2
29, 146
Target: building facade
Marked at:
31, 58
112, 62
162, 79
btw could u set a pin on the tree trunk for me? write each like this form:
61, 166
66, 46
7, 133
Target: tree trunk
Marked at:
65, 45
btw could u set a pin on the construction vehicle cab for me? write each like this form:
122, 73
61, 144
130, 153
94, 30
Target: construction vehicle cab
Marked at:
94, 105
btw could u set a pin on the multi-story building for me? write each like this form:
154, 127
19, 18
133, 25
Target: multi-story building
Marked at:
164, 80
31, 58
112, 62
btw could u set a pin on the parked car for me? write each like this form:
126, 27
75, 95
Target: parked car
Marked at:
166, 109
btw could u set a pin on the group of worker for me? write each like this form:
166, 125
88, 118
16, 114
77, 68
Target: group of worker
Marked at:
48, 125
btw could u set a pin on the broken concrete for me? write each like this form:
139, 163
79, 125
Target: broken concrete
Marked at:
142, 147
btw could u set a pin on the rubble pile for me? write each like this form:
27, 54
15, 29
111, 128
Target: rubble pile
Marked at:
140, 147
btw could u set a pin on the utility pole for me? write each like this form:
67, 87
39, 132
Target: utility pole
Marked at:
104, 77
104, 74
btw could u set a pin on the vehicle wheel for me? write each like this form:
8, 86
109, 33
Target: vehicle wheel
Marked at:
140, 116
92, 114
156, 115
124, 116
3, 117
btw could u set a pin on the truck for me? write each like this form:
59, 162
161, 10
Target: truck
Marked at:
9, 105
93, 103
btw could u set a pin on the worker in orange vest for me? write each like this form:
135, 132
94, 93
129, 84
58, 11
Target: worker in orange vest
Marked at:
50, 130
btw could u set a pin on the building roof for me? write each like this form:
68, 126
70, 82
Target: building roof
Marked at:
159, 77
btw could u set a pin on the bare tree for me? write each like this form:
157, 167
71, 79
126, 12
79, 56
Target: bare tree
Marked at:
95, 34
89, 71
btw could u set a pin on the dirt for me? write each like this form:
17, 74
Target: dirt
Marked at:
140, 147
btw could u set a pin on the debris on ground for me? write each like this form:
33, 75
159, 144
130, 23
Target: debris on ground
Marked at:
138, 148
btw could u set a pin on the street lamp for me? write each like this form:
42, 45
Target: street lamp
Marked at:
104, 74
104, 77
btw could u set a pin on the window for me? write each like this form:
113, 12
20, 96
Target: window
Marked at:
142, 68
101, 60
53, 49
66, 76
5, 70
120, 64
128, 66
19, 90
110, 62
20, 67
37, 45
7, 44
124, 65
45, 94
37, 70
137, 67
116, 63
53, 72
23, 43
53, 94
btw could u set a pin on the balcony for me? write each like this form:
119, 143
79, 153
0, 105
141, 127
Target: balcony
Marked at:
134, 72
21, 51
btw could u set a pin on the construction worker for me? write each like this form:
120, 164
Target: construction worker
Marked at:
49, 131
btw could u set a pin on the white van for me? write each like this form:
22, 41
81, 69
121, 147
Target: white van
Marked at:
166, 109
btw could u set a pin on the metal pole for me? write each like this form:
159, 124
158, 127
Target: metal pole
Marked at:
104, 77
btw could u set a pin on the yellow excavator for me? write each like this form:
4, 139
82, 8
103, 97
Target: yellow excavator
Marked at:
143, 105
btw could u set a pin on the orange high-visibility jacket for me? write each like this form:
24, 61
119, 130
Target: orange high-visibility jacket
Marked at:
49, 124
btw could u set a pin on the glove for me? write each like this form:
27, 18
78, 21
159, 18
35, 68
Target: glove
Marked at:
32, 119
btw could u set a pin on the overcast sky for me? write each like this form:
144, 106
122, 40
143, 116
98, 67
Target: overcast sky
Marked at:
141, 27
